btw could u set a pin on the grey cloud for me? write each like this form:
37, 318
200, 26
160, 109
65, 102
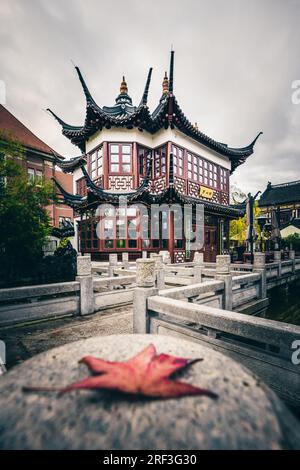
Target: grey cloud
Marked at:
235, 62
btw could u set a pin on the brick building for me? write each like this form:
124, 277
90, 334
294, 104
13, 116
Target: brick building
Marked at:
39, 162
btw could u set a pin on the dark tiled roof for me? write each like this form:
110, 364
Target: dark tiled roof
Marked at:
294, 223
167, 114
13, 128
277, 194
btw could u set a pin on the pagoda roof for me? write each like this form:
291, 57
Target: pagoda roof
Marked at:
68, 166
292, 223
15, 129
276, 194
97, 195
167, 114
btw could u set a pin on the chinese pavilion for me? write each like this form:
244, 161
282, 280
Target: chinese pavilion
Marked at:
284, 200
148, 158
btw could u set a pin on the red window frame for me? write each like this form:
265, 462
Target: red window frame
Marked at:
144, 153
202, 171
159, 162
119, 160
96, 157
224, 179
178, 160
108, 243
81, 187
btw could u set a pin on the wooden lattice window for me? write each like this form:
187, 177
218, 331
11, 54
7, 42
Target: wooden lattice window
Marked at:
159, 162
81, 187
224, 179
143, 155
178, 160
120, 158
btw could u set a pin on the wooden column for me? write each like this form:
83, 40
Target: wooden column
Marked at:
171, 235
135, 166
105, 165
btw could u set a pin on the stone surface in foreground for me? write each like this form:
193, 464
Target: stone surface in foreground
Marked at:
246, 415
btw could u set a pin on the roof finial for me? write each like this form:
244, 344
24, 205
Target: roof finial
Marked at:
196, 126
165, 84
171, 74
146, 91
84, 85
123, 87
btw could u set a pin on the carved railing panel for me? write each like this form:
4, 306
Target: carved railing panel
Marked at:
120, 183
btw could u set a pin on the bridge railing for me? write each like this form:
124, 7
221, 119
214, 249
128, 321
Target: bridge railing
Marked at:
198, 312
21, 304
264, 346
245, 288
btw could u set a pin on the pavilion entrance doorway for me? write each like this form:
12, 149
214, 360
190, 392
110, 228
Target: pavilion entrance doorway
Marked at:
210, 248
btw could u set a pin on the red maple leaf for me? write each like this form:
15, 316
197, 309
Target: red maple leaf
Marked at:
147, 373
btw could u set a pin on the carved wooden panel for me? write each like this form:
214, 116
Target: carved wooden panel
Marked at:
158, 185
215, 197
180, 184
224, 198
193, 189
120, 183
179, 256
99, 181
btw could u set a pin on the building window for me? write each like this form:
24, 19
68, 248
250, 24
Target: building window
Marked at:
202, 171
120, 158
38, 176
119, 228
96, 163
30, 173
34, 175
88, 235
178, 160
224, 179
159, 162
81, 187
143, 154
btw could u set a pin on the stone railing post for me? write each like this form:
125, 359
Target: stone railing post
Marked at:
277, 259
166, 256
259, 266
197, 272
198, 258
145, 280
113, 263
223, 273
85, 278
159, 271
125, 260
292, 257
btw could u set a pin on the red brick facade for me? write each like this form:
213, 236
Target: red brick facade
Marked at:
39, 161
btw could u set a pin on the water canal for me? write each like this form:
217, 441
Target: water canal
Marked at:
285, 304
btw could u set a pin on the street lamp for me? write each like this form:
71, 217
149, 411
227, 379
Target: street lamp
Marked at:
261, 220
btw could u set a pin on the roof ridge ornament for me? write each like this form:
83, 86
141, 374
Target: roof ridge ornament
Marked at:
123, 87
60, 121
123, 97
165, 84
171, 74
86, 91
146, 90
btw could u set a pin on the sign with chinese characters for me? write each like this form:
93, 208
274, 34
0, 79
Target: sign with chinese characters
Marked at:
206, 192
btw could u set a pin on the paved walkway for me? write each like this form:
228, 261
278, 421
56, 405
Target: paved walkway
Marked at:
23, 342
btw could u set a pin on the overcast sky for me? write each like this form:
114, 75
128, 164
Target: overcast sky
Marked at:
235, 62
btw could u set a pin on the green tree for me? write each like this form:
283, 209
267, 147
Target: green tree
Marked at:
292, 240
24, 220
238, 227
